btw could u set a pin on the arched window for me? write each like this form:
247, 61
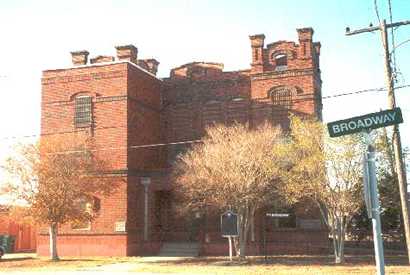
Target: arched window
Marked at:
282, 98
281, 61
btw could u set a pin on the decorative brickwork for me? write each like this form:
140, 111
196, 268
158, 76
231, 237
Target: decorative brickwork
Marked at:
132, 108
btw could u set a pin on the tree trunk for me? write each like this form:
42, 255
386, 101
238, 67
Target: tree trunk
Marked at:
252, 219
338, 234
53, 242
244, 225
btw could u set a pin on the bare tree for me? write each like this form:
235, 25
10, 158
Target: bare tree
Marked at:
53, 176
234, 168
328, 171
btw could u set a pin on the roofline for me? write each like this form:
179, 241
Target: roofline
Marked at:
199, 62
106, 64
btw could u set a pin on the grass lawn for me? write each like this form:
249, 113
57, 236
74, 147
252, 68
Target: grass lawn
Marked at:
277, 265
31, 262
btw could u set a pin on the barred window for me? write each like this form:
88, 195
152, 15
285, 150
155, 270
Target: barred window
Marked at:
83, 114
282, 98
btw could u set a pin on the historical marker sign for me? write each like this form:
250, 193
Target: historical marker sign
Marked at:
229, 224
366, 122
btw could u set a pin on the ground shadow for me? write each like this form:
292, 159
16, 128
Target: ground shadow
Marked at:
4, 260
297, 260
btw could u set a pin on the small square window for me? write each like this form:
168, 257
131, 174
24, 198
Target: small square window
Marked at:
88, 206
83, 111
281, 62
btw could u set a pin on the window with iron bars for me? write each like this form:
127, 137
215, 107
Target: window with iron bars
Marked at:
282, 98
83, 111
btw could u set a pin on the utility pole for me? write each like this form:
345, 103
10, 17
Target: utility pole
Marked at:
398, 155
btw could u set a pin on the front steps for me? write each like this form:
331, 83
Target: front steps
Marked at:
179, 249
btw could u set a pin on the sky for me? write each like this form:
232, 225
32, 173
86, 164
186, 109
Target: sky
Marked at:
39, 35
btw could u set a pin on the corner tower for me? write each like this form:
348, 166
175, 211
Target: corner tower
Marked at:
285, 77
116, 100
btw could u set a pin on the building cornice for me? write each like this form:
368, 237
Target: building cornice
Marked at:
104, 64
282, 74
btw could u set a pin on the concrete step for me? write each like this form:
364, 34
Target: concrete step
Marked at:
183, 245
179, 254
182, 249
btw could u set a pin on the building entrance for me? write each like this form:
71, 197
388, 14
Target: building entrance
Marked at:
171, 224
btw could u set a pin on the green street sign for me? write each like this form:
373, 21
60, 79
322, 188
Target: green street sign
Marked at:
366, 122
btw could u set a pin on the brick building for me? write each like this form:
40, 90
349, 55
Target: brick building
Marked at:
125, 106
22, 233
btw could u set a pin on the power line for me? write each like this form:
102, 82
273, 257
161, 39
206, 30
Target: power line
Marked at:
356, 92
62, 132
376, 10
393, 54
279, 101
365, 91
126, 147
398, 159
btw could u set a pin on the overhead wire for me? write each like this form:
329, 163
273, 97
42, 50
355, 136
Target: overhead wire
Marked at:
393, 53
188, 141
376, 9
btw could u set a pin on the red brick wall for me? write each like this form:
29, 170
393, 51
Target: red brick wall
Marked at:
132, 107
200, 100
24, 234
143, 128
126, 105
196, 97
280, 242
85, 245
143, 119
4, 224
107, 85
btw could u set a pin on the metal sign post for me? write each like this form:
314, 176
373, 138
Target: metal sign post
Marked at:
229, 228
230, 248
366, 123
372, 203
366, 187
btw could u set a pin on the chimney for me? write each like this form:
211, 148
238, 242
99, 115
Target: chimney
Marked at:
257, 43
152, 65
127, 53
79, 58
101, 59
317, 46
305, 42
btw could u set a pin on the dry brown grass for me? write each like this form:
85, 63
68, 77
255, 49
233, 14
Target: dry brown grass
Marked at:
289, 265
66, 263
277, 265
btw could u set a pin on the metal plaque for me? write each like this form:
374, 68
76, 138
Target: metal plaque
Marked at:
229, 224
